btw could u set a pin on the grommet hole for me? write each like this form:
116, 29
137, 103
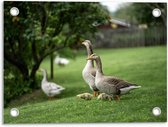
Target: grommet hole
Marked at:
156, 12
14, 112
14, 11
156, 111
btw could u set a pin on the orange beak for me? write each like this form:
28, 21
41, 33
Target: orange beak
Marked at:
90, 57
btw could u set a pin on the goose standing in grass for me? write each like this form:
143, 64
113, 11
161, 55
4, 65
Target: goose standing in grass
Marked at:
49, 88
108, 84
61, 61
89, 72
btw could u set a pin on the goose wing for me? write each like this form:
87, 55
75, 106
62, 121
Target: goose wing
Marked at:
119, 83
122, 86
93, 72
93, 75
109, 85
53, 87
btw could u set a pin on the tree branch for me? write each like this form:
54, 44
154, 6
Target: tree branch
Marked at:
52, 50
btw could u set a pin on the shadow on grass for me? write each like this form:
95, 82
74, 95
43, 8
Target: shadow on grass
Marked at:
38, 96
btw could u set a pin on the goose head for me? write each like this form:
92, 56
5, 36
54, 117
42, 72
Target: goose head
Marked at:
88, 46
98, 62
93, 57
42, 70
86, 43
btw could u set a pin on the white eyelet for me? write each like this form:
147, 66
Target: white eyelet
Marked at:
14, 11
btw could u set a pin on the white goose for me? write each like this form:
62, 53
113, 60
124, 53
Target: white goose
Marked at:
49, 88
109, 84
61, 61
89, 72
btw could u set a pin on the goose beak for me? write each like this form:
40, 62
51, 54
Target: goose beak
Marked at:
83, 43
89, 58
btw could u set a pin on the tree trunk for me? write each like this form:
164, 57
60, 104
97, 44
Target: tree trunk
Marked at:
25, 74
51, 66
33, 75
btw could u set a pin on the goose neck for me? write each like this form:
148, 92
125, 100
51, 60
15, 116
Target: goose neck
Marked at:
44, 76
89, 50
99, 66
90, 63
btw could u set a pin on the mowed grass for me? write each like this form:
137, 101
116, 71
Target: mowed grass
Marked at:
145, 66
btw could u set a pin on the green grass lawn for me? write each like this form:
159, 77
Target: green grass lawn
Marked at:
145, 66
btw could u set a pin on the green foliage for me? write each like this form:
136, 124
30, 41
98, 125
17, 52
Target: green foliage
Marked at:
145, 66
42, 28
14, 85
124, 13
141, 13
68, 53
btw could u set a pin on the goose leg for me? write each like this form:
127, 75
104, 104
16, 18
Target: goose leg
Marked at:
50, 98
98, 93
110, 98
94, 93
117, 97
